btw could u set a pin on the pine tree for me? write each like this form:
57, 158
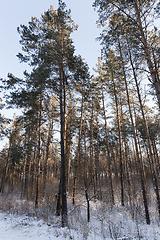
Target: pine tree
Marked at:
134, 15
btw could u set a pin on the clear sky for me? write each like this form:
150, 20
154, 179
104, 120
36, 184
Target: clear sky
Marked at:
16, 12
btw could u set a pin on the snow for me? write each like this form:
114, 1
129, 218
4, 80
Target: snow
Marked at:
14, 227
106, 223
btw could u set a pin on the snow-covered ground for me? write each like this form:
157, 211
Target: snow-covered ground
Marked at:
106, 223
13, 227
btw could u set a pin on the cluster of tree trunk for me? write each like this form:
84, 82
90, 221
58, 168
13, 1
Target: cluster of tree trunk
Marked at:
64, 136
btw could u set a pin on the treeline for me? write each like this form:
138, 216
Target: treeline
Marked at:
81, 131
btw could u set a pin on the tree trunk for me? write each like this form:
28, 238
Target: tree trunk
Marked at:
98, 160
63, 147
92, 151
38, 154
126, 158
5, 170
120, 142
108, 149
78, 155
50, 131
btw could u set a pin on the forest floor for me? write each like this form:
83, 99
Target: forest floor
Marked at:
20, 221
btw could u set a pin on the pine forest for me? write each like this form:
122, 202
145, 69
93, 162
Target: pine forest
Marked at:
83, 139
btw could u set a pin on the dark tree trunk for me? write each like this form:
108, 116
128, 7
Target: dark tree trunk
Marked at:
5, 170
38, 154
63, 147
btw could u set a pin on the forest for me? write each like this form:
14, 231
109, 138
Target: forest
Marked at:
82, 136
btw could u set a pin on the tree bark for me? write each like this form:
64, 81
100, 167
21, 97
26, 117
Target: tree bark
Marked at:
38, 154
63, 147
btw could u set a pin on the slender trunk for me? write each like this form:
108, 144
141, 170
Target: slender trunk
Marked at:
98, 161
85, 156
5, 170
156, 162
68, 162
114, 157
34, 163
62, 189
108, 149
126, 156
87, 199
78, 155
120, 142
59, 200
27, 174
23, 176
47, 154
156, 155
38, 154
92, 151
139, 144
27, 167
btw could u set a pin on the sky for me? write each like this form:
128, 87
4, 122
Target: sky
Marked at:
14, 13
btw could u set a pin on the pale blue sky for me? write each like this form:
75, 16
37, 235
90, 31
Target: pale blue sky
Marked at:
16, 12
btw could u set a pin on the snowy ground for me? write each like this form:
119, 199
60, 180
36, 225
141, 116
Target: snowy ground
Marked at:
106, 223
14, 227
